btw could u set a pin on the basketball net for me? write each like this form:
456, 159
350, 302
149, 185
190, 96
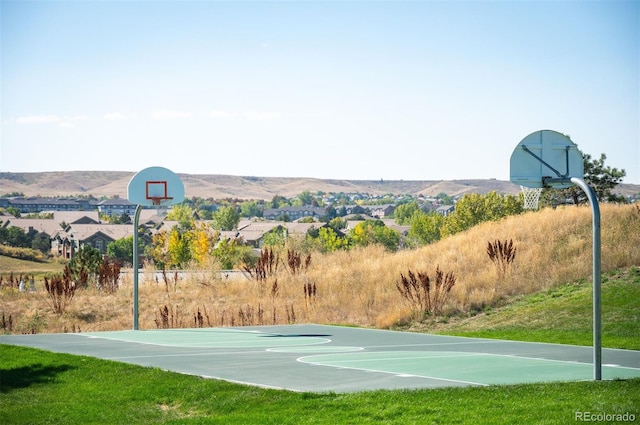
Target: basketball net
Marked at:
161, 204
531, 197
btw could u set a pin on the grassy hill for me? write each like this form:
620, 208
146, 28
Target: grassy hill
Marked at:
563, 315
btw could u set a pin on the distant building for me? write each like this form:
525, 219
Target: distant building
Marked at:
293, 213
36, 205
117, 207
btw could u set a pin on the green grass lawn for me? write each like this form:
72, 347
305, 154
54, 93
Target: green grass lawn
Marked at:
564, 315
39, 387
27, 267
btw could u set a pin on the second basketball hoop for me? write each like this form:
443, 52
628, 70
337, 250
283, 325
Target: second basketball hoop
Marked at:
155, 186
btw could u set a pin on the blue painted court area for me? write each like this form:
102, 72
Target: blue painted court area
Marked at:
322, 358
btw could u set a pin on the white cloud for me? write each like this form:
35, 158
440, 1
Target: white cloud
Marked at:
118, 116
246, 114
38, 119
261, 116
169, 114
219, 113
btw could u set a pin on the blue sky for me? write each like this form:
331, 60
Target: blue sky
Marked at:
412, 90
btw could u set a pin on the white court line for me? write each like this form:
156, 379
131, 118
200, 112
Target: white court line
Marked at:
424, 345
456, 355
337, 363
401, 375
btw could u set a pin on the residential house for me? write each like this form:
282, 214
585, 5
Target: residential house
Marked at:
381, 211
77, 217
66, 242
445, 210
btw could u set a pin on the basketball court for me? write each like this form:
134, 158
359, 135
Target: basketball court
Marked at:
322, 358
319, 358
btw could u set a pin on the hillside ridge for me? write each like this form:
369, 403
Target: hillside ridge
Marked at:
218, 186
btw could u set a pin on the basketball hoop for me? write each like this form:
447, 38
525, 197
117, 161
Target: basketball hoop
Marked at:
531, 197
152, 187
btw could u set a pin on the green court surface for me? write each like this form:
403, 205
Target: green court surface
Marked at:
332, 358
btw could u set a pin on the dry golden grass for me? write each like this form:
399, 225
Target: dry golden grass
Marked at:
357, 287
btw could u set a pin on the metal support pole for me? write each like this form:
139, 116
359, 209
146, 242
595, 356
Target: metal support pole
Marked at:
597, 312
136, 220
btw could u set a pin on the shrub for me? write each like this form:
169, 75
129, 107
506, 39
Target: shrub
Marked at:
61, 290
108, 276
425, 295
501, 254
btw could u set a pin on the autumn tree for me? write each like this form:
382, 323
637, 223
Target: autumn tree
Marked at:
179, 247
202, 243
329, 240
375, 232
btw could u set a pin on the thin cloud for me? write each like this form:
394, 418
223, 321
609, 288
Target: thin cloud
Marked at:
39, 119
261, 116
220, 113
169, 114
67, 121
247, 115
118, 116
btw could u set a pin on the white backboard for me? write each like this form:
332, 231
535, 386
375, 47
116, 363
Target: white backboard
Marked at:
155, 185
546, 154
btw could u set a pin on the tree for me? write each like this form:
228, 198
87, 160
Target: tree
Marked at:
226, 218
85, 264
250, 209
41, 242
474, 208
183, 214
14, 236
14, 212
278, 201
275, 237
374, 231
122, 249
159, 249
444, 198
330, 241
404, 212
231, 254
426, 228
602, 179
202, 243
179, 247
305, 198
